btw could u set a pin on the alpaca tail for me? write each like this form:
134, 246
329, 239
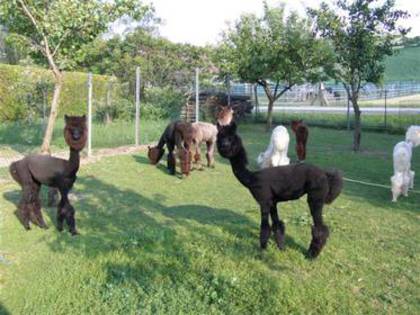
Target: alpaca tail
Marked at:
335, 182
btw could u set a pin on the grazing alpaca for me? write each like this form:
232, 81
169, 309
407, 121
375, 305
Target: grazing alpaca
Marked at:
272, 185
204, 132
301, 132
177, 134
403, 177
276, 153
35, 170
413, 135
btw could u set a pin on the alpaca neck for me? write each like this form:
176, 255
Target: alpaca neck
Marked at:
240, 170
74, 162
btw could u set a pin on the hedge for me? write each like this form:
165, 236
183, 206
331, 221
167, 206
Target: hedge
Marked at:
22, 90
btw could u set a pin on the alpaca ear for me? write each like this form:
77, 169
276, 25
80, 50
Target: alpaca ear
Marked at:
84, 116
66, 118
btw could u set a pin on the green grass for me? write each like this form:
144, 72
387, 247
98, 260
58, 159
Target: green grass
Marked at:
404, 65
26, 137
153, 243
396, 124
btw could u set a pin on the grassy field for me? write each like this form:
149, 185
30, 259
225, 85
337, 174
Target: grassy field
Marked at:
152, 243
25, 137
404, 65
396, 124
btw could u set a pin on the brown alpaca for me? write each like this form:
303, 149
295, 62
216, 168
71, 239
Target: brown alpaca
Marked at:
225, 116
204, 132
35, 170
177, 134
301, 131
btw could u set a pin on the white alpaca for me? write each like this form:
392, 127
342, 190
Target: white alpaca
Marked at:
413, 135
276, 153
403, 178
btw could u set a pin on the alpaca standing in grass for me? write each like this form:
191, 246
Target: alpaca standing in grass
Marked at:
301, 131
179, 135
403, 177
276, 153
204, 132
413, 135
277, 184
35, 170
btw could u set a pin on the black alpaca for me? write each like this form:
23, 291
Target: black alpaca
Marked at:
179, 135
272, 185
35, 170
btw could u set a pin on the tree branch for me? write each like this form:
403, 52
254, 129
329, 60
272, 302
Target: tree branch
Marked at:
60, 42
31, 17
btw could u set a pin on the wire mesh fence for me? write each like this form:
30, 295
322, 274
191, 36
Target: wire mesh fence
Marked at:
392, 107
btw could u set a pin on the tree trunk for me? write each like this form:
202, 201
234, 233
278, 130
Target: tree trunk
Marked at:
357, 125
45, 149
270, 114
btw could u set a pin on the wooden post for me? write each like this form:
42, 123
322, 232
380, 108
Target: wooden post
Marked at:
137, 131
90, 114
197, 94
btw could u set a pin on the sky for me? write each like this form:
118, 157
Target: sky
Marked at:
201, 22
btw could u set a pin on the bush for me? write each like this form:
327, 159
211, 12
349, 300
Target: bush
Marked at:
165, 102
22, 92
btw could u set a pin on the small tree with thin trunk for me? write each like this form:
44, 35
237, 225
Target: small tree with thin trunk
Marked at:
363, 33
275, 51
55, 30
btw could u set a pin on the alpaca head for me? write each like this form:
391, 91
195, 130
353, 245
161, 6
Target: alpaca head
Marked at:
225, 116
296, 123
154, 154
229, 144
75, 131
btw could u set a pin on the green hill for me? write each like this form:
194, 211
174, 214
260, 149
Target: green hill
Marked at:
403, 66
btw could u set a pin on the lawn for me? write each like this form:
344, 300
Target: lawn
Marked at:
153, 243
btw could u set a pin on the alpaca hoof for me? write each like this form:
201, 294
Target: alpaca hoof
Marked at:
27, 227
74, 233
312, 253
44, 226
60, 228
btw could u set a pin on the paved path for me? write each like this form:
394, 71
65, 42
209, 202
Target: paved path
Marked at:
342, 109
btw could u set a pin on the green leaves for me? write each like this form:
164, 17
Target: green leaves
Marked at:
274, 48
65, 25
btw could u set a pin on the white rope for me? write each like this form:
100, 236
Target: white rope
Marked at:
373, 184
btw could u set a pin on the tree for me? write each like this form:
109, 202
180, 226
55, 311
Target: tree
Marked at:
363, 34
275, 51
57, 29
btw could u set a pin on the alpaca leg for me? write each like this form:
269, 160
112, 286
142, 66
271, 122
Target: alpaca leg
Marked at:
278, 227
171, 163
25, 214
52, 197
411, 174
197, 156
320, 231
65, 211
36, 209
70, 220
210, 153
265, 227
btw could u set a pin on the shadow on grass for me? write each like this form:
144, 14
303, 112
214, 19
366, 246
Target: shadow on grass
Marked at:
3, 310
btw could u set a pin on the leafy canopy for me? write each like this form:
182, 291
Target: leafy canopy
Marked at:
274, 48
64, 26
363, 33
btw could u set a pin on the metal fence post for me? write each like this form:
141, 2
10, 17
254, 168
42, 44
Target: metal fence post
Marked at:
137, 136
90, 85
385, 110
197, 94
